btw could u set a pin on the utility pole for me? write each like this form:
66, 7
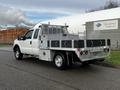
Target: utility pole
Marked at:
16, 30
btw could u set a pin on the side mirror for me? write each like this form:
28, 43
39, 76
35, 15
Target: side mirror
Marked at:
21, 38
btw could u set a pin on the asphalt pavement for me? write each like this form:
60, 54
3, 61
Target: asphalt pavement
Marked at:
33, 74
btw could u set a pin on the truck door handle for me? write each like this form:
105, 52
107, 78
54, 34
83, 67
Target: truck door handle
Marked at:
30, 42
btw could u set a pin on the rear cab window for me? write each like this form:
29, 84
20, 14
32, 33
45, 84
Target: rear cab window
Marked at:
36, 34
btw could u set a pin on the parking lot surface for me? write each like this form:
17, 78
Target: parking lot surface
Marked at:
33, 74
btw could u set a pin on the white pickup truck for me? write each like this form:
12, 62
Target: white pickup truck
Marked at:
54, 43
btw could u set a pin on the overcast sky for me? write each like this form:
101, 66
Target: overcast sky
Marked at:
39, 10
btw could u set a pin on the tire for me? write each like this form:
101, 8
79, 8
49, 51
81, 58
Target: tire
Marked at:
59, 61
85, 63
18, 55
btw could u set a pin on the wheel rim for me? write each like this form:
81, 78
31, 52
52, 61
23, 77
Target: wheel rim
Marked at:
17, 54
58, 61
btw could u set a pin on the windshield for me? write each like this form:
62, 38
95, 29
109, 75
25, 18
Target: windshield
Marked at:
54, 29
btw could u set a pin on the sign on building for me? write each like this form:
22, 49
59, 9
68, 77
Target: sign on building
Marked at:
106, 25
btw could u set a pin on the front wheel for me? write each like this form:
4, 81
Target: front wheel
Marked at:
59, 61
18, 55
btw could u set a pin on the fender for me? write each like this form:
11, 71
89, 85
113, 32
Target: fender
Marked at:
16, 44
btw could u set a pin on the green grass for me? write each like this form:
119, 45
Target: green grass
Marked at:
5, 45
113, 58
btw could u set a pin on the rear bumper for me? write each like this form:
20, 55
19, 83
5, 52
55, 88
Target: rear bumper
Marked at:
92, 59
93, 56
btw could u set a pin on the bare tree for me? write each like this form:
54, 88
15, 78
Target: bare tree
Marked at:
108, 5
111, 4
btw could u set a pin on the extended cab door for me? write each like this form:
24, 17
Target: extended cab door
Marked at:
36, 42
26, 44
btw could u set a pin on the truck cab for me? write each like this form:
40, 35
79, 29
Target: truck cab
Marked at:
54, 43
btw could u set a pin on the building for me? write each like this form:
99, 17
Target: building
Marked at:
108, 29
9, 35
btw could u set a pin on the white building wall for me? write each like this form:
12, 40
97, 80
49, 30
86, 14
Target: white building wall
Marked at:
76, 23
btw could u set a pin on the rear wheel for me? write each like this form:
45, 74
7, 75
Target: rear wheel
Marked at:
18, 55
59, 61
86, 63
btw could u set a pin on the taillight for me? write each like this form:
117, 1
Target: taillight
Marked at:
81, 53
78, 49
84, 53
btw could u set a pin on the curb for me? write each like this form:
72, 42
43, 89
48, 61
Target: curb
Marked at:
6, 49
105, 64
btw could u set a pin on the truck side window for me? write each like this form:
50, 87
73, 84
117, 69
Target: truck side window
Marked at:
36, 33
28, 35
